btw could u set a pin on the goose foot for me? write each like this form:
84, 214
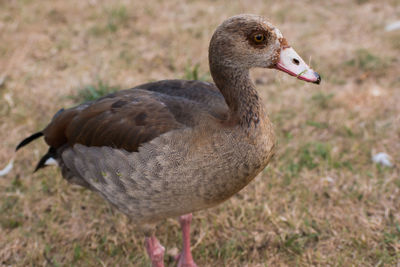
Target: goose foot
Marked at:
155, 251
185, 258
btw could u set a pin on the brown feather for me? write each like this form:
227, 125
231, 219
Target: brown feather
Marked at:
122, 121
128, 118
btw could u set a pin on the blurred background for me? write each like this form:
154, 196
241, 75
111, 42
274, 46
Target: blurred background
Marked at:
326, 199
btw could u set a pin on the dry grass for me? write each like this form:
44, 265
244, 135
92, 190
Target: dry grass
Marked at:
321, 202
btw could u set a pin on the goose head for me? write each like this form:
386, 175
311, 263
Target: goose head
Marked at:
248, 41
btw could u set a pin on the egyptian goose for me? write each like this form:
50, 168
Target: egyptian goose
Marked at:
172, 147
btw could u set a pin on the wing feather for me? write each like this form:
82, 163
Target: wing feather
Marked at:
124, 120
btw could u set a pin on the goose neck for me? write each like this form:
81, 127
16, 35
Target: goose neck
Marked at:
240, 94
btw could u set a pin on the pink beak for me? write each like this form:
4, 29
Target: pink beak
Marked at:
291, 63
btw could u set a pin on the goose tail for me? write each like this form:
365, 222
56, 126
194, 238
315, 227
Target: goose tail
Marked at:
28, 140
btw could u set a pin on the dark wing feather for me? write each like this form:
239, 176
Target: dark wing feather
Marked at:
204, 93
121, 120
128, 118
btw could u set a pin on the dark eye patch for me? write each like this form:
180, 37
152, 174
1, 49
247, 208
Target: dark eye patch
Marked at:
258, 38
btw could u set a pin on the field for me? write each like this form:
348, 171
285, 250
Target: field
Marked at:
320, 202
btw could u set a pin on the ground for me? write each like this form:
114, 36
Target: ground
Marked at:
320, 202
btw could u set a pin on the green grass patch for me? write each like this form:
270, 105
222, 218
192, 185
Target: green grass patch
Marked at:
10, 215
319, 125
322, 100
296, 243
312, 153
366, 61
16, 184
93, 92
116, 17
10, 223
111, 22
8, 204
308, 156
77, 252
193, 73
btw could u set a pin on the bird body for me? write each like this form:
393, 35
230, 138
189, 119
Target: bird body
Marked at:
200, 161
172, 147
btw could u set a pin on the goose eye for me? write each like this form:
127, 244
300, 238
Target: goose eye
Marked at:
259, 38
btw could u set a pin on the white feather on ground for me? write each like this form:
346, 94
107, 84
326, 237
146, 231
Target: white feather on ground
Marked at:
393, 26
382, 158
7, 168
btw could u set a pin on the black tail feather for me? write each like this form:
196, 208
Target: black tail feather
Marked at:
28, 140
50, 154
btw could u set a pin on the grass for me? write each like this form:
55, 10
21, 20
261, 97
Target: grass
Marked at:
92, 92
193, 73
116, 17
366, 61
322, 99
320, 202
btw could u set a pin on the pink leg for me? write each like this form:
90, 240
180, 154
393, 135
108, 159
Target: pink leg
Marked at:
155, 251
185, 258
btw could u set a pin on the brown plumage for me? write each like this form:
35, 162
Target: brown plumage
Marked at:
121, 120
172, 147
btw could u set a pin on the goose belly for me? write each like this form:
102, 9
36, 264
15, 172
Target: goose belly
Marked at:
167, 179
